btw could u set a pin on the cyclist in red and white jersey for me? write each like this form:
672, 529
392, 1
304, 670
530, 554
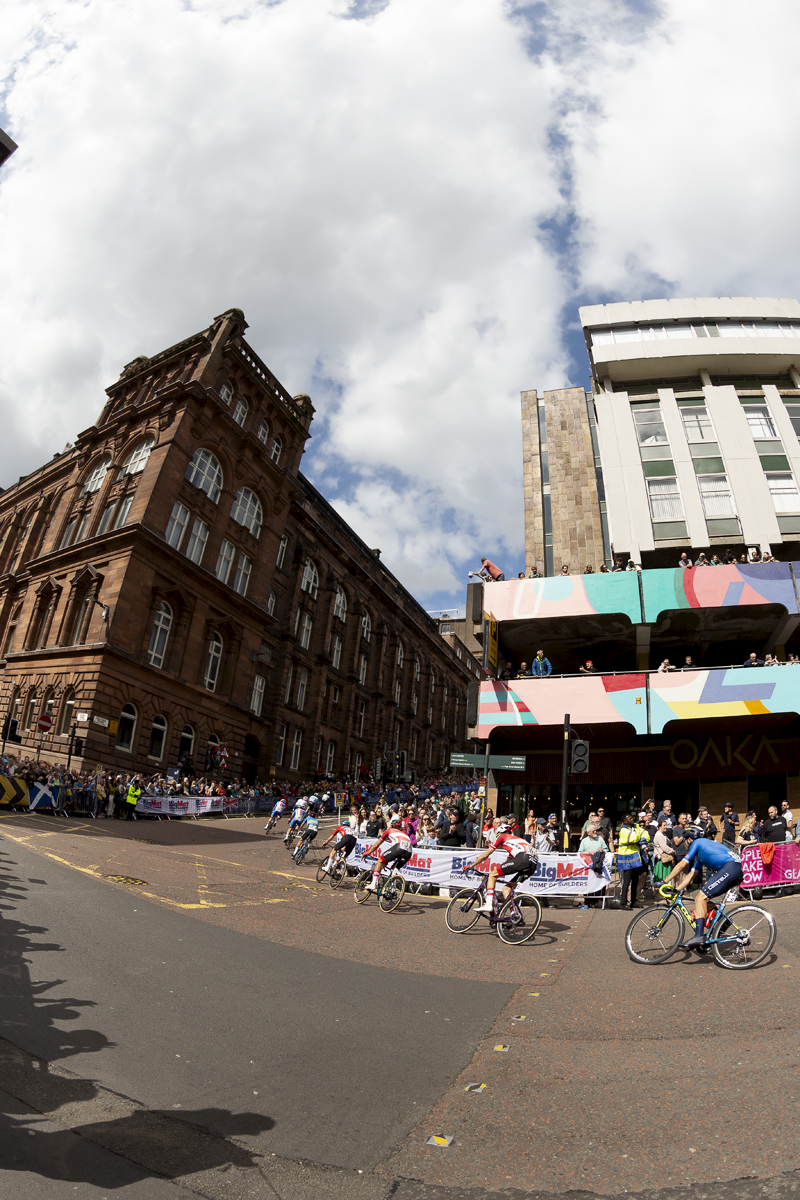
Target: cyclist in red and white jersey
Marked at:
520, 860
345, 840
399, 850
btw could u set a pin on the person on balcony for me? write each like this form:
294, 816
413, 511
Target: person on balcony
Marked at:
565, 568
688, 664
702, 561
753, 661
541, 666
684, 560
729, 559
489, 572
523, 672
666, 665
587, 668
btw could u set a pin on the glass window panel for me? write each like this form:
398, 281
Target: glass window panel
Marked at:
760, 421
240, 411
197, 542
651, 433
783, 490
263, 432
697, 425
257, 698
124, 509
665, 499
224, 560
242, 577
177, 525
679, 331
205, 473
602, 337
627, 335
715, 493
247, 510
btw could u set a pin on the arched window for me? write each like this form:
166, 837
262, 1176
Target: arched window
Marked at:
158, 735
136, 460
49, 703
240, 411
160, 635
310, 580
67, 709
247, 510
13, 626
271, 604
226, 392
30, 707
263, 432
95, 480
126, 728
205, 473
340, 604
186, 746
366, 627
399, 654
275, 450
213, 660
416, 670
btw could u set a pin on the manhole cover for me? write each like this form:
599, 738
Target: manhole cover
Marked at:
126, 879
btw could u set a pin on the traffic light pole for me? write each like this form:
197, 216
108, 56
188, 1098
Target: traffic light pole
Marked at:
484, 798
71, 742
564, 766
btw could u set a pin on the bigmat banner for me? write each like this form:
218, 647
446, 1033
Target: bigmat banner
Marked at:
556, 874
784, 868
183, 806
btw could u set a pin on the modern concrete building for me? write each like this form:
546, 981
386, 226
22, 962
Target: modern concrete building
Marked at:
698, 412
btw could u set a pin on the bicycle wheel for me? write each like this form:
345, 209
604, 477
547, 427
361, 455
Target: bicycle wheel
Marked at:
392, 892
462, 911
361, 894
752, 932
518, 919
653, 935
338, 872
320, 873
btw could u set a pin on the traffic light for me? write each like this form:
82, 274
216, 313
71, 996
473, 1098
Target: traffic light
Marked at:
10, 726
579, 764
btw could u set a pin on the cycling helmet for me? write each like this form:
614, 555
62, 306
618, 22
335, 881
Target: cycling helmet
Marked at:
395, 822
692, 832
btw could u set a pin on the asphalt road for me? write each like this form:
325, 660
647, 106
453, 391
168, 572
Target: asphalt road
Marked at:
231, 1029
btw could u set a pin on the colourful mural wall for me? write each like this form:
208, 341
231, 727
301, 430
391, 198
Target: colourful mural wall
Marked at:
718, 587
564, 596
603, 699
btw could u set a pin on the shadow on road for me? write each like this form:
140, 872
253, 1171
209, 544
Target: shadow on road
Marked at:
151, 1144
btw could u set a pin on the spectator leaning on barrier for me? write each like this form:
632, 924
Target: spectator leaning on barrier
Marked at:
542, 842
773, 827
688, 664
541, 666
753, 661
684, 560
666, 665
748, 833
587, 668
523, 671
565, 568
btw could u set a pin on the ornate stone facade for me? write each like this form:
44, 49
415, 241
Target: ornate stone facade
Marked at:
174, 577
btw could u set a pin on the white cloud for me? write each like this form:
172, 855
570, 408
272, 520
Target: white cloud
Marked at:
369, 191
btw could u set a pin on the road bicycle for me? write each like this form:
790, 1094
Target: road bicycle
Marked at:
391, 887
739, 938
516, 920
337, 868
272, 822
299, 852
289, 836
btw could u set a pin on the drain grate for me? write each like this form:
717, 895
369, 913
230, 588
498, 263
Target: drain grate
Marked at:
146, 841
126, 879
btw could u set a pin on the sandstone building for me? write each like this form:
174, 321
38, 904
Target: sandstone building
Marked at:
175, 582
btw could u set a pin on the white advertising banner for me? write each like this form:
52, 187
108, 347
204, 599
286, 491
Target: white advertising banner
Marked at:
555, 875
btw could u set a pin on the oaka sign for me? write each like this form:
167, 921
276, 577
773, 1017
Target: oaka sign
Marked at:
745, 750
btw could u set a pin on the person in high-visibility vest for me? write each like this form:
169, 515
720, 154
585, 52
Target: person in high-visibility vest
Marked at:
132, 798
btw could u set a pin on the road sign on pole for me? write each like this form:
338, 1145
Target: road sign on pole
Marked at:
496, 762
45, 723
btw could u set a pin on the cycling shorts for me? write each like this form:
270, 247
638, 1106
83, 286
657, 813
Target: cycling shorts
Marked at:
521, 864
310, 834
347, 843
398, 855
297, 820
727, 877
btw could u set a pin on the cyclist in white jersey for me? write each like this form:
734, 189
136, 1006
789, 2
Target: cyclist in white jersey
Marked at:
298, 817
520, 860
399, 850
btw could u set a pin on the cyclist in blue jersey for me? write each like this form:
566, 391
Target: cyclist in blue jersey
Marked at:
310, 827
703, 852
298, 817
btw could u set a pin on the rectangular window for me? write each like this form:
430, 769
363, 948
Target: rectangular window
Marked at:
288, 690
697, 425
305, 631
318, 756
362, 670
414, 703
124, 509
665, 499
715, 492
362, 712
68, 532
302, 686
650, 429
297, 742
281, 745
336, 652
397, 690
331, 759
105, 520
760, 421
282, 551
197, 541
783, 490
176, 527
82, 524
794, 416
242, 576
257, 698
224, 560
414, 744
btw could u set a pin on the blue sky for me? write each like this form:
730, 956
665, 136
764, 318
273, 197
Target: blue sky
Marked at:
409, 199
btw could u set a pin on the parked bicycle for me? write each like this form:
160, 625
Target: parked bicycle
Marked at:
739, 938
515, 921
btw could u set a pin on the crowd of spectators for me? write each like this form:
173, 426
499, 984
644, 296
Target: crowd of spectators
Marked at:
491, 573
